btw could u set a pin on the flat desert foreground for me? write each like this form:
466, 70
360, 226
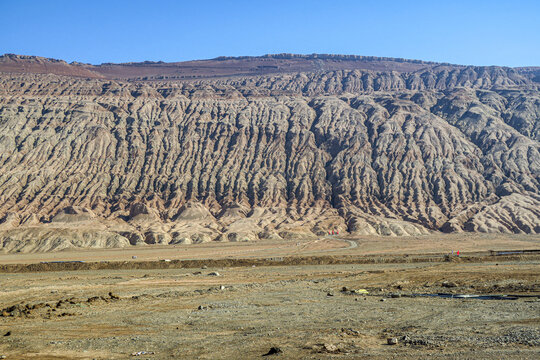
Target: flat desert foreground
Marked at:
331, 298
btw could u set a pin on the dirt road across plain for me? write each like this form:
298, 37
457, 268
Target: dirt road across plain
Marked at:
359, 246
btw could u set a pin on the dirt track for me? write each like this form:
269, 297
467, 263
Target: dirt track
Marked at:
325, 251
366, 246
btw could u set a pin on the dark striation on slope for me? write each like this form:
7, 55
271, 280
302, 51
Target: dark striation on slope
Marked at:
437, 147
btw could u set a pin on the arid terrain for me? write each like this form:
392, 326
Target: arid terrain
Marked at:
117, 155
306, 300
283, 206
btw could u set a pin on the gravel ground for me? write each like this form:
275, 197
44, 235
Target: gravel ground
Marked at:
244, 312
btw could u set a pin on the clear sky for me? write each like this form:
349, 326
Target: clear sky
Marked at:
473, 32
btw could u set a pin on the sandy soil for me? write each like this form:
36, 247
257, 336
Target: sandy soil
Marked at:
242, 312
368, 245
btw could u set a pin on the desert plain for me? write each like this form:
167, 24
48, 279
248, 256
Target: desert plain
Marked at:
183, 210
331, 298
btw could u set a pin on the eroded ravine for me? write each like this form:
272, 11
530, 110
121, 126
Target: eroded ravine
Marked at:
89, 162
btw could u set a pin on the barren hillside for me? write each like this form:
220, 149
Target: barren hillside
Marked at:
361, 145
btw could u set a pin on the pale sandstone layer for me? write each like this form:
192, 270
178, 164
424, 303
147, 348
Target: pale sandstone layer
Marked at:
91, 162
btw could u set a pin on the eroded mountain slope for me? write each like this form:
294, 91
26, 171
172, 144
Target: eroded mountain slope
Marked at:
275, 156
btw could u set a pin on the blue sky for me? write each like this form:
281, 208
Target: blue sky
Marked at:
464, 32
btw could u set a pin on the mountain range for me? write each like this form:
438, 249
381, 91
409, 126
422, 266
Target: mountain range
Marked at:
272, 147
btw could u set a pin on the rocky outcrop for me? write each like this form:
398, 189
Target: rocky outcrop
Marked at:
46, 238
74, 214
368, 81
279, 156
41, 65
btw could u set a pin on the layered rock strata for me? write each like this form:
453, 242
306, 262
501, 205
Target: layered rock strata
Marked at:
95, 162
